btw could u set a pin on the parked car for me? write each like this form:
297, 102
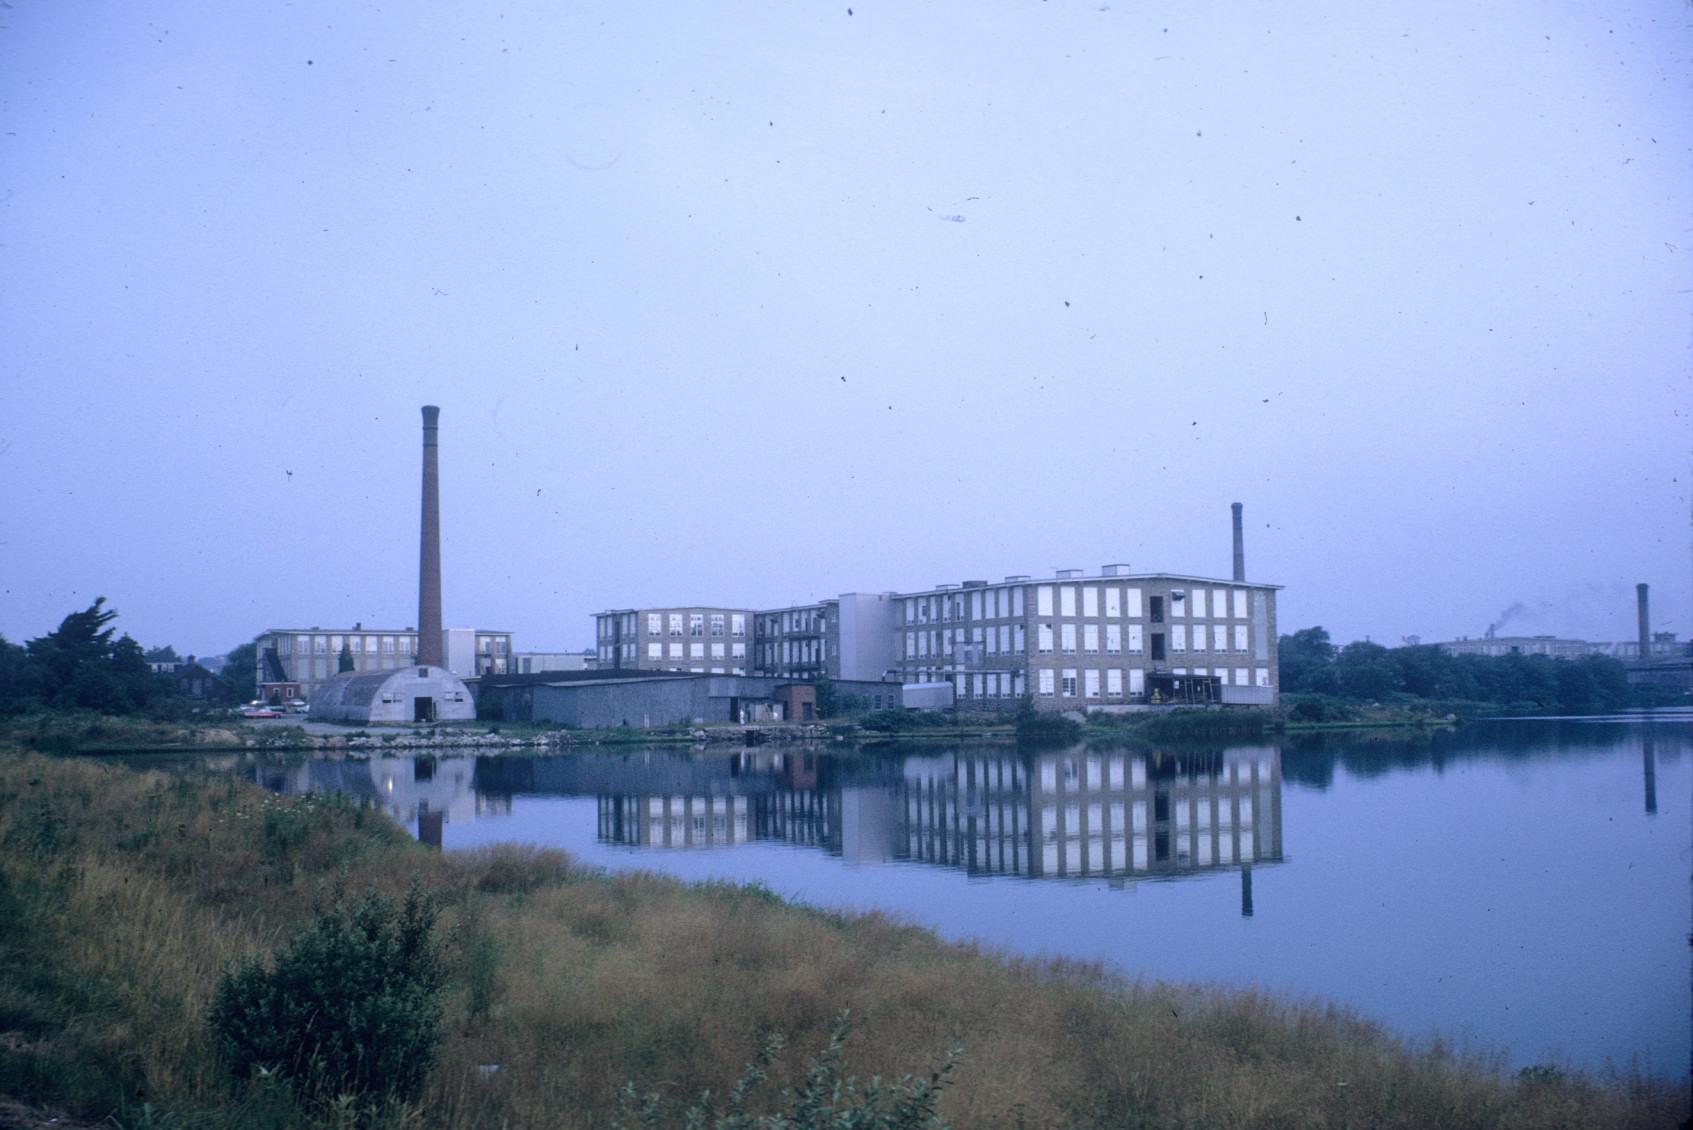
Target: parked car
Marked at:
260, 712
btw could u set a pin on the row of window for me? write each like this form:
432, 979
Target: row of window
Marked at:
657, 650
792, 621
718, 624
1094, 599
1112, 639
358, 645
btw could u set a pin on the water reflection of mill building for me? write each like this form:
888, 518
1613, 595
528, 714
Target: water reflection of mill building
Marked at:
1097, 814
1077, 814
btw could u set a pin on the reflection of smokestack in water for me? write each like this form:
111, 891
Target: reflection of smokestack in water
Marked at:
429, 552
1239, 546
1645, 621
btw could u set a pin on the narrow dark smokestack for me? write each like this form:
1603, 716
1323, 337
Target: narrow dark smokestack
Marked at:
1645, 622
1239, 546
429, 551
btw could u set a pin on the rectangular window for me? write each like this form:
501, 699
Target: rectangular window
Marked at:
1136, 646
320, 644
1113, 639
1019, 641
1155, 609
1199, 637
716, 650
737, 624
1137, 681
675, 651
1219, 637
717, 623
676, 623
910, 611
976, 605
1241, 675
1046, 676
696, 623
1239, 609
1113, 683
1134, 604
1067, 638
1043, 600
1197, 609
1043, 639
1090, 639
1066, 600
1158, 647
1004, 638
355, 644
387, 645
1090, 600
1017, 601
737, 651
1068, 683
655, 651
1240, 637
1090, 683
1178, 602
655, 623
1219, 603
1261, 677
1113, 601
1178, 637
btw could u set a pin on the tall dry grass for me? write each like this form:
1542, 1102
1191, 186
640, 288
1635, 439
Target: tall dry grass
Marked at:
124, 895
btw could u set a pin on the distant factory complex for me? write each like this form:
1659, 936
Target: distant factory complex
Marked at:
1117, 639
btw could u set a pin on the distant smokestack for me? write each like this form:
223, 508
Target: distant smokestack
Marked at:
429, 551
1239, 546
1645, 621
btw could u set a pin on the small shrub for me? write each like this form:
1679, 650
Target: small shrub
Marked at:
351, 1007
825, 1099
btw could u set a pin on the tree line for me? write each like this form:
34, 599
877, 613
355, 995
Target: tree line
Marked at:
85, 665
1365, 671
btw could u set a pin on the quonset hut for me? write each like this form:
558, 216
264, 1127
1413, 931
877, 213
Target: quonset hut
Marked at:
406, 694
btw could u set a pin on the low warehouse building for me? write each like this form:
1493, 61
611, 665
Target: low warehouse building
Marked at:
597, 699
402, 695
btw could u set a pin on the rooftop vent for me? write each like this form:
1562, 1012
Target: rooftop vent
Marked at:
1016, 576
1065, 574
1120, 569
975, 584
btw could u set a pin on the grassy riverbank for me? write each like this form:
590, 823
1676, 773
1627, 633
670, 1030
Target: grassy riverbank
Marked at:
123, 896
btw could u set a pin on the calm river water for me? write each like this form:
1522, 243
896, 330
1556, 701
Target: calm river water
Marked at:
1520, 886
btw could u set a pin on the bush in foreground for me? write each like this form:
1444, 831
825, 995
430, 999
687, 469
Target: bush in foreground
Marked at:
350, 1010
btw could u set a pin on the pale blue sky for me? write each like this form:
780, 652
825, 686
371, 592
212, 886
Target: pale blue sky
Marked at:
756, 303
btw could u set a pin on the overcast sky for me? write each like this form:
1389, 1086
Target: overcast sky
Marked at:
756, 303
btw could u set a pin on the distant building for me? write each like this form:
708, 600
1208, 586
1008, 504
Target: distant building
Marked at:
1079, 643
848, 637
534, 662
1072, 642
1523, 645
695, 639
293, 662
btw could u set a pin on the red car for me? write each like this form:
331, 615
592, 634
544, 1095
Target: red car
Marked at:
259, 712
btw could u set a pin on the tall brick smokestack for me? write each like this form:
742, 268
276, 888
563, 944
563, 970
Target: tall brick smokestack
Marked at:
1645, 621
429, 551
1239, 546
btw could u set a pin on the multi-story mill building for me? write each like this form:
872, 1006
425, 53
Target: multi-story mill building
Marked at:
1078, 642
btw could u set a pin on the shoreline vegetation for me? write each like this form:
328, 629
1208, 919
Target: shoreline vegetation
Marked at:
127, 896
70, 732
